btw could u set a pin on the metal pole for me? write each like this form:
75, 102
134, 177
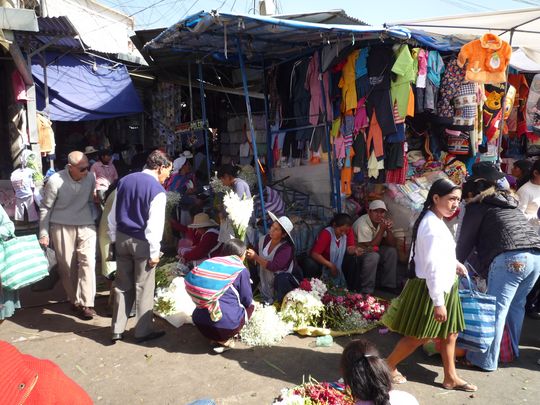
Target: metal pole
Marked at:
205, 125
252, 130
334, 200
269, 154
45, 83
501, 121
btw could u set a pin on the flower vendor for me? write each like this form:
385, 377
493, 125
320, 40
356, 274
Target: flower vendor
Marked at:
330, 247
206, 234
368, 376
429, 305
228, 174
275, 259
221, 290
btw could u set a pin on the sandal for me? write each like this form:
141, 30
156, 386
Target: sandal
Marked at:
398, 378
467, 387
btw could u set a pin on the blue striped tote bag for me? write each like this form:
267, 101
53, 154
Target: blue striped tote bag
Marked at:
479, 311
22, 262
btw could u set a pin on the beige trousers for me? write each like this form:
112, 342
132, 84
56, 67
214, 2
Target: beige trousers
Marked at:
75, 248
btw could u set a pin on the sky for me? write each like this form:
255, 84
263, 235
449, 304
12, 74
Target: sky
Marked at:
164, 13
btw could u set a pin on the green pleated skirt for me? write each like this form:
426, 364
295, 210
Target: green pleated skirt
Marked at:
411, 314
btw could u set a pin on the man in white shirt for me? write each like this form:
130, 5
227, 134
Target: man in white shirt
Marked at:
379, 264
136, 223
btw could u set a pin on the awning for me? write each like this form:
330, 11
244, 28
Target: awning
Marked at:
524, 23
83, 88
272, 39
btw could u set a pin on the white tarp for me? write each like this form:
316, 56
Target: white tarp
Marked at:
524, 22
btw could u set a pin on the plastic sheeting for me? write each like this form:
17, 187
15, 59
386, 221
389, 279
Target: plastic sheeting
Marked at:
83, 88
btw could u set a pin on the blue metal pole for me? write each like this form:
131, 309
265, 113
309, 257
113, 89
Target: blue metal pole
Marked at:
205, 124
335, 201
269, 155
252, 130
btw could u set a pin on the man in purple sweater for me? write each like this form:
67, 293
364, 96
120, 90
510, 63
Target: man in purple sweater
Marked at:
136, 226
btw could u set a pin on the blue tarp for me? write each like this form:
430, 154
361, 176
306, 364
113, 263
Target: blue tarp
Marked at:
83, 88
272, 39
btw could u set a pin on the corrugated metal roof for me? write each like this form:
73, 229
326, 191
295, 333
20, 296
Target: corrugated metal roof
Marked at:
59, 32
323, 17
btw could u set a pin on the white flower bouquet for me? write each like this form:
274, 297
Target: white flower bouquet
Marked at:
265, 328
239, 212
173, 303
302, 309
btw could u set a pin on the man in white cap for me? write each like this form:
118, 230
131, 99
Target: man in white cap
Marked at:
374, 231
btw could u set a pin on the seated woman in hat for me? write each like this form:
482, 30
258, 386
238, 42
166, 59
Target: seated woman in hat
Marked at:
206, 243
275, 259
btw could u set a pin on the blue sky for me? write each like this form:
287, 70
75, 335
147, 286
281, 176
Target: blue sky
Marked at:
163, 13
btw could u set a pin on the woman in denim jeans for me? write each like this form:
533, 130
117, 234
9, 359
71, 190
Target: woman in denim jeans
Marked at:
508, 250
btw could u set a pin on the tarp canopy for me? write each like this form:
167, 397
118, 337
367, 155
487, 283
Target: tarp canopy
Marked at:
524, 23
83, 88
272, 39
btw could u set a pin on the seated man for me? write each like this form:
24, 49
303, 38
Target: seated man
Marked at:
374, 232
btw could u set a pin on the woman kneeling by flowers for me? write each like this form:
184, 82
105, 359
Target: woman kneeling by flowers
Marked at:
221, 291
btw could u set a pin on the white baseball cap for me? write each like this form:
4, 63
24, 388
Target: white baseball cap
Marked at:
377, 205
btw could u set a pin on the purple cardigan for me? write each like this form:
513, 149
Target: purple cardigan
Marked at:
283, 257
233, 311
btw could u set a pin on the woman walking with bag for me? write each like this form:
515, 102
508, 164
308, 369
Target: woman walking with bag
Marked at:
508, 250
9, 299
429, 306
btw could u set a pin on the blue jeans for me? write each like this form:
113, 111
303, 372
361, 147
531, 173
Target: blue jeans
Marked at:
511, 276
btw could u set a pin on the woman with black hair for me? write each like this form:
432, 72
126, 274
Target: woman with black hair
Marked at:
429, 306
228, 174
368, 376
221, 291
330, 247
508, 252
275, 259
521, 170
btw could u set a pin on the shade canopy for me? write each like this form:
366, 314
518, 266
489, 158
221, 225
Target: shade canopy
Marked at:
212, 34
524, 23
83, 87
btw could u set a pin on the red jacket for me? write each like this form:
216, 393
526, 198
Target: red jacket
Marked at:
30, 381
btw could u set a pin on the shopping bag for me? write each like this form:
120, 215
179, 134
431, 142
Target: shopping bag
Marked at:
22, 262
479, 311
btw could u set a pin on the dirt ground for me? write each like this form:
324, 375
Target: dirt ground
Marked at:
179, 368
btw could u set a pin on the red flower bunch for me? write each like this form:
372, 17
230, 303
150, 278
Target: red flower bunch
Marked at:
370, 307
305, 285
324, 393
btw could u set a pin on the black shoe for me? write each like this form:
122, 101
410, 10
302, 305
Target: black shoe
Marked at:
150, 336
132, 314
117, 336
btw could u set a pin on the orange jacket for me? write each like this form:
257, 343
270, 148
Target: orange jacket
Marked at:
486, 59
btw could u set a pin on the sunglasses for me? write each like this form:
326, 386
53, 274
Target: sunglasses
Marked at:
82, 169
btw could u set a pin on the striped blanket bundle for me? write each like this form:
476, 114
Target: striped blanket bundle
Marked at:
208, 281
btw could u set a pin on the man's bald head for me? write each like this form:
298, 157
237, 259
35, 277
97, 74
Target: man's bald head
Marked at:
78, 165
76, 157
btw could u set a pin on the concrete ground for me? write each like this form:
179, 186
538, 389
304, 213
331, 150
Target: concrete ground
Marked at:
178, 368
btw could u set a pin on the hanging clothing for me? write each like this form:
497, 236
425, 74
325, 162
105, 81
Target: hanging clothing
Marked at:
450, 85
435, 68
375, 137
347, 83
400, 88
313, 84
422, 69
19, 87
360, 118
465, 104
23, 184
486, 59
45, 135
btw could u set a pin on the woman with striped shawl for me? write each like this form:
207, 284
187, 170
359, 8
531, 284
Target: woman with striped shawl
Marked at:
221, 290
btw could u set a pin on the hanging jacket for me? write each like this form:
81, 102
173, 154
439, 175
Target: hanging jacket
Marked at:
492, 225
486, 59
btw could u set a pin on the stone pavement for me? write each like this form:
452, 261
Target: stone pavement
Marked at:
178, 368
